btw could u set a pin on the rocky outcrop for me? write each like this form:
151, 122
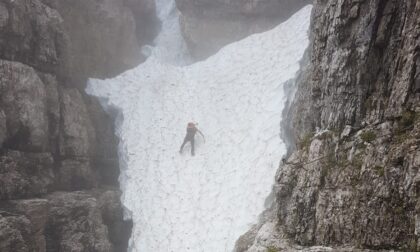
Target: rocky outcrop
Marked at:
65, 221
102, 35
352, 178
16, 233
26, 175
31, 33
112, 214
147, 23
23, 225
24, 102
80, 221
208, 25
58, 153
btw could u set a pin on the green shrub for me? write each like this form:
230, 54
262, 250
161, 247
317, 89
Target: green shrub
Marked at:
361, 146
354, 182
399, 210
357, 161
412, 246
306, 141
272, 249
380, 170
331, 161
407, 119
368, 136
401, 137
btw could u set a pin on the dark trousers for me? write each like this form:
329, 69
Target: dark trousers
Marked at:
186, 140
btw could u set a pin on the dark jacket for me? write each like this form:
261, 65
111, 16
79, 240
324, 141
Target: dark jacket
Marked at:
191, 131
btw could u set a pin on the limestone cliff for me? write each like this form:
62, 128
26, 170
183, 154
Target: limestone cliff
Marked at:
352, 178
208, 25
58, 153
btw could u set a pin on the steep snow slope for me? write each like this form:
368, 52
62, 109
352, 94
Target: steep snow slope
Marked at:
203, 203
170, 46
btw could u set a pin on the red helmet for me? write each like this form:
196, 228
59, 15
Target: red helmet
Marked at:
190, 125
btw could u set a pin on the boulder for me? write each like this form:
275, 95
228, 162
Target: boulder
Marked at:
75, 224
15, 232
25, 175
31, 33
36, 211
23, 100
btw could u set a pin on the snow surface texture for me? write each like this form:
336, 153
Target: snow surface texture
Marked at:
170, 46
203, 203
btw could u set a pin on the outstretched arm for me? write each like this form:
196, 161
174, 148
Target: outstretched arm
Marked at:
201, 133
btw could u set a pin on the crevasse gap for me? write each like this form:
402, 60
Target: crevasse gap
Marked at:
203, 203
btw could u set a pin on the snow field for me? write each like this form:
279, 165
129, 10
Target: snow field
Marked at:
203, 203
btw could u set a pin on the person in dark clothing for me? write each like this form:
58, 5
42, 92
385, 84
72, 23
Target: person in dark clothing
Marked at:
191, 131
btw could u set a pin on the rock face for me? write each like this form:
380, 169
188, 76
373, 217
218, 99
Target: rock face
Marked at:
208, 25
15, 233
32, 34
26, 175
75, 223
352, 177
23, 230
24, 102
58, 153
102, 35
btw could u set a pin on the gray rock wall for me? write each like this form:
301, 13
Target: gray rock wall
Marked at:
58, 153
208, 25
354, 184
